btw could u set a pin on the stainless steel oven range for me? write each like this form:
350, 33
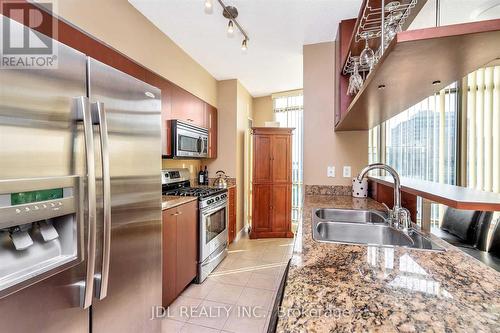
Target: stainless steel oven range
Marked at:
213, 215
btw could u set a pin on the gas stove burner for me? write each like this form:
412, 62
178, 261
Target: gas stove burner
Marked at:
194, 192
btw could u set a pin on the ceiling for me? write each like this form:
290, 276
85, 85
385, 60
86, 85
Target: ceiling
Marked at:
457, 11
277, 29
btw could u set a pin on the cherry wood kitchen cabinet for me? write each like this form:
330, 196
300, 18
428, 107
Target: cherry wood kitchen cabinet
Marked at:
211, 114
262, 162
180, 249
231, 223
187, 107
261, 209
272, 182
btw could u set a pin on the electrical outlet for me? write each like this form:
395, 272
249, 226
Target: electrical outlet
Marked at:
330, 172
346, 172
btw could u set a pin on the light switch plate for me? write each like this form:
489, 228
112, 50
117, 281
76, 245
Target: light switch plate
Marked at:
346, 172
330, 172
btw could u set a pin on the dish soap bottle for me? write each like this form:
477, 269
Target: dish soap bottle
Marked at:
201, 177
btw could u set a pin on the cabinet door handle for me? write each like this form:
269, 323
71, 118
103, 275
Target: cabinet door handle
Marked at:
190, 120
177, 214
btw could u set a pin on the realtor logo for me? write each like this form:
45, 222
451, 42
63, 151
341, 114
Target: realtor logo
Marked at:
22, 46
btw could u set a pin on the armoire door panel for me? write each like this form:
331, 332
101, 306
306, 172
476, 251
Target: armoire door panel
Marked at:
261, 217
281, 158
262, 159
280, 210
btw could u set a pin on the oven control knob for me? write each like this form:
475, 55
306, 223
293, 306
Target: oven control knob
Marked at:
217, 199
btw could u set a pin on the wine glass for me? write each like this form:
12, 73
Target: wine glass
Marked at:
367, 56
392, 26
355, 80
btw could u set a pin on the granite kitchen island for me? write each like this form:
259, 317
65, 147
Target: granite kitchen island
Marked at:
347, 288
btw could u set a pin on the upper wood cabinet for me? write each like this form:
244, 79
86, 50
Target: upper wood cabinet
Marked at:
177, 103
342, 45
272, 182
187, 107
211, 116
414, 65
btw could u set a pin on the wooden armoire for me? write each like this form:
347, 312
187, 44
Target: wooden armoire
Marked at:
272, 182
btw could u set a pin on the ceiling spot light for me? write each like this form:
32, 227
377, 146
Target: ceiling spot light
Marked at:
230, 28
244, 45
208, 6
435, 83
381, 87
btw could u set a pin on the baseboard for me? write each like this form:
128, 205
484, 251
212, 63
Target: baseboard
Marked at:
241, 233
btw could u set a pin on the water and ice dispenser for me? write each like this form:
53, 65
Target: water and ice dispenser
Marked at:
41, 231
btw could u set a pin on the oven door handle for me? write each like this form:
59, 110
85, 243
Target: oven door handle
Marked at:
210, 210
214, 258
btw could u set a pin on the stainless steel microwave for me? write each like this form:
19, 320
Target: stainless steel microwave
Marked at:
188, 141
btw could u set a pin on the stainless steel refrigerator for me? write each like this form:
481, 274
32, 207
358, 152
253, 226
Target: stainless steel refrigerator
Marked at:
80, 198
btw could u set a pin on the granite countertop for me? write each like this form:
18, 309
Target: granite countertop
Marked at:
347, 288
171, 201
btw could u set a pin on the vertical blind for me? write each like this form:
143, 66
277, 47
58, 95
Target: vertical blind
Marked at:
483, 129
289, 112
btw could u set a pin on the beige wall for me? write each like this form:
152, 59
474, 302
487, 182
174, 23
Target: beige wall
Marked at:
226, 130
244, 112
118, 24
323, 146
262, 110
235, 106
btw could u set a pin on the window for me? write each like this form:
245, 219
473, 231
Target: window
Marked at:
289, 112
421, 141
373, 145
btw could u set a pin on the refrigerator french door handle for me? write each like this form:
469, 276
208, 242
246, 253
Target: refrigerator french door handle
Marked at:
84, 114
102, 283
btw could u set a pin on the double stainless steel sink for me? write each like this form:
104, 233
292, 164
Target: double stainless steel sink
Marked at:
364, 227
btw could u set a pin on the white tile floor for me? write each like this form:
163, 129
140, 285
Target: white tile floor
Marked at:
238, 295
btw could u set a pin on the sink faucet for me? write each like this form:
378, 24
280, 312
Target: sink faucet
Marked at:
398, 216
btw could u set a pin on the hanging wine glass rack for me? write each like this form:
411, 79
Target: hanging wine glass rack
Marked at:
371, 21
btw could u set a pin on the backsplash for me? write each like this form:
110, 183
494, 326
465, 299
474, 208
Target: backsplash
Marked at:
230, 181
328, 190
192, 165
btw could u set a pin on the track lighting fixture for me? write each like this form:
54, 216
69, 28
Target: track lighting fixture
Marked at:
231, 13
230, 28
